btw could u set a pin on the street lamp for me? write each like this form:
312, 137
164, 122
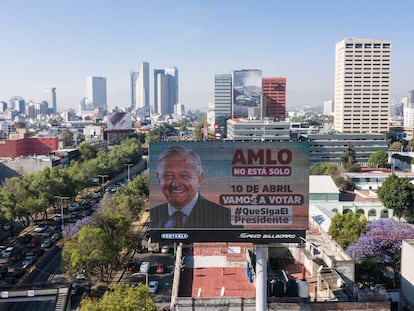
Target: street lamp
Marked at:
129, 174
103, 178
61, 209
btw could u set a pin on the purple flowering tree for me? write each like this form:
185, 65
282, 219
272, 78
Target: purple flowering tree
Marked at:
72, 229
382, 240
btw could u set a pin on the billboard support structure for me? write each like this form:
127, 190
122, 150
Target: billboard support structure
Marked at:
261, 277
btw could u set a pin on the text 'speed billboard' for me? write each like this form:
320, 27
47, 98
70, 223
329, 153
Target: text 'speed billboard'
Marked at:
229, 192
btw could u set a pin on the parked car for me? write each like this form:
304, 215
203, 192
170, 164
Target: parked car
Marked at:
46, 244
145, 267
160, 269
81, 275
47, 233
40, 228
153, 286
57, 217
74, 288
132, 267
33, 243
7, 253
165, 249
18, 255
28, 261
26, 238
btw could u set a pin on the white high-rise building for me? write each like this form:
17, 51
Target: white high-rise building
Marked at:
96, 92
51, 100
165, 90
143, 90
362, 86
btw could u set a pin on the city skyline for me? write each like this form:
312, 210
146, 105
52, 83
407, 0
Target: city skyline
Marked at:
58, 44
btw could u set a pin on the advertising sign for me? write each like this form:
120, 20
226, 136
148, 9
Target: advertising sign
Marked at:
229, 191
247, 91
119, 121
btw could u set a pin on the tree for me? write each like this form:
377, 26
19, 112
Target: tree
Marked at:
410, 145
396, 146
87, 151
67, 137
397, 194
348, 159
324, 169
383, 238
378, 159
90, 250
346, 229
124, 296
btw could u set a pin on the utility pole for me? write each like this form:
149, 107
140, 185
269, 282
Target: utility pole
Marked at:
129, 171
61, 209
103, 178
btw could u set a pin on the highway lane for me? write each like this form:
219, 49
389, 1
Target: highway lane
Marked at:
46, 274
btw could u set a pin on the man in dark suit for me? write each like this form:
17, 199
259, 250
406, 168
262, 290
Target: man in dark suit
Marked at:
180, 174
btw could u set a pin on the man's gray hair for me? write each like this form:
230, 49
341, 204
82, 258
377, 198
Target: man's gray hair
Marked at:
179, 151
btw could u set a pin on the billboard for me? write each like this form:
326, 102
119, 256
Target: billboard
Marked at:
229, 191
247, 91
119, 121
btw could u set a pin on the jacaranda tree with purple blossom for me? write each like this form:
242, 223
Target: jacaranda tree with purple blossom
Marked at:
382, 240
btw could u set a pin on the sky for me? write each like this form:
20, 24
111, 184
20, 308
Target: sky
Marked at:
49, 43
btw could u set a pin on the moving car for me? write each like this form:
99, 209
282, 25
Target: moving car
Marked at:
40, 228
47, 233
18, 255
46, 244
7, 253
153, 286
145, 267
26, 238
33, 243
56, 236
28, 261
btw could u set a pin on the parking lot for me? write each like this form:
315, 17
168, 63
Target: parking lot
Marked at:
165, 278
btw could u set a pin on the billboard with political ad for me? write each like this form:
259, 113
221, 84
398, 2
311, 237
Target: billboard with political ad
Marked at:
229, 191
119, 121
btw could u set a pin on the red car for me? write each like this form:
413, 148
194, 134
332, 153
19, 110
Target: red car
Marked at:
33, 243
18, 255
132, 267
161, 269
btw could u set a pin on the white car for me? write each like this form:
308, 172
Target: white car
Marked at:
7, 252
46, 244
145, 267
153, 286
28, 261
40, 228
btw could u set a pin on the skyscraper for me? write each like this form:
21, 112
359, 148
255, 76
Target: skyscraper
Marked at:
96, 92
362, 86
274, 92
165, 90
133, 81
223, 88
143, 90
51, 100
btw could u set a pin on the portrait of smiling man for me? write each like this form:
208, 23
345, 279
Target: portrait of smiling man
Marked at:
180, 175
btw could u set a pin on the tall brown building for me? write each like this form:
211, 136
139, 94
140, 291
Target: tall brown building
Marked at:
274, 97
